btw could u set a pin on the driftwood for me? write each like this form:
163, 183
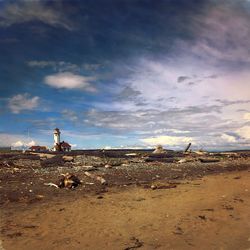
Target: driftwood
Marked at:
161, 186
51, 184
98, 178
159, 159
208, 160
69, 181
159, 150
188, 146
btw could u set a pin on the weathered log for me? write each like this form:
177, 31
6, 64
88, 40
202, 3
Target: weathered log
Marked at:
208, 160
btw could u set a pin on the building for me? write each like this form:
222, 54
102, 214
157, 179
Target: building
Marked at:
65, 146
38, 148
57, 134
58, 145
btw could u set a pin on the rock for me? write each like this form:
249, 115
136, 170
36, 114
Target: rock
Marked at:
98, 178
88, 168
203, 217
178, 230
161, 186
108, 166
136, 244
125, 165
68, 158
237, 177
101, 179
182, 161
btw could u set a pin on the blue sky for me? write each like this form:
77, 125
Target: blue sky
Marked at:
125, 73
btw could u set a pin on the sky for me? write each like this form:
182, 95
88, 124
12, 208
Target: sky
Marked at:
125, 73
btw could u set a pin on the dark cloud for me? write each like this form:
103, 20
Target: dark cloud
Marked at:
128, 93
182, 79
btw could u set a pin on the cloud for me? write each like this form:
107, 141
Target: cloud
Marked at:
244, 132
27, 11
19, 144
167, 140
70, 115
16, 140
182, 78
228, 138
246, 116
68, 80
173, 120
21, 102
174, 131
56, 65
223, 32
154, 82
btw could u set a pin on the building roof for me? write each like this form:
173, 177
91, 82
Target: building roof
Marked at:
65, 145
38, 147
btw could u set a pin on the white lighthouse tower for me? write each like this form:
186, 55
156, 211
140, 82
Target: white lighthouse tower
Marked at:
56, 138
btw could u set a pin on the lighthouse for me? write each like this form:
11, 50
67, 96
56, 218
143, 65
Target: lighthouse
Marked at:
56, 139
58, 145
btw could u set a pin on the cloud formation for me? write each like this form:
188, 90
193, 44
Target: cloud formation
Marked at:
68, 80
167, 140
22, 102
19, 144
59, 66
166, 71
16, 140
26, 11
223, 31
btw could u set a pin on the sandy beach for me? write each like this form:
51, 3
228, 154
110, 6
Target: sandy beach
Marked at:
207, 213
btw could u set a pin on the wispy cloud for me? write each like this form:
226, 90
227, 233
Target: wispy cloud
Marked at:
62, 66
55, 65
68, 80
22, 102
223, 32
70, 115
25, 11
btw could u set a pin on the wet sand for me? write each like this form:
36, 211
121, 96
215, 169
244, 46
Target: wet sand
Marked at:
208, 213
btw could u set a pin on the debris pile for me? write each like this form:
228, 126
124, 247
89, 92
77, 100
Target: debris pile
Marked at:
69, 181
